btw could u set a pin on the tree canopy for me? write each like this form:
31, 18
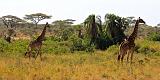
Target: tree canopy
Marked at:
93, 26
37, 17
105, 34
11, 21
115, 25
63, 23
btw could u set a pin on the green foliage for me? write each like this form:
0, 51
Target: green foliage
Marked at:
145, 50
37, 17
148, 47
79, 44
113, 49
17, 47
157, 53
115, 25
66, 33
107, 34
91, 26
63, 23
52, 46
154, 36
94, 29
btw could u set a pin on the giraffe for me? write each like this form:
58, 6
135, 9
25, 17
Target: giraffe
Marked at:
36, 44
127, 46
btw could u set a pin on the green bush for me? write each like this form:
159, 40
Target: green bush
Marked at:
145, 50
79, 44
113, 49
154, 36
157, 53
16, 47
146, 47
66, 33
55, 47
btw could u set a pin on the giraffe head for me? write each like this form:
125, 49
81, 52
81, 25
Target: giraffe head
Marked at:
141, 20
47, 25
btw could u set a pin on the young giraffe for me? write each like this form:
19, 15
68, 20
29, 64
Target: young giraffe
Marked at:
127, 46
36, 44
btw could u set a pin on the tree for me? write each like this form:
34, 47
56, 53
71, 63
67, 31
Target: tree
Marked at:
79, 30
63, 23
103, 35
11, 21
93, 26
37, 17
69, 21
131, 20
158, 24
115, 25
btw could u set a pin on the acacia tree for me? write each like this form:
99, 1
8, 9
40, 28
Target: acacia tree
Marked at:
37, 17
11, 21
63, 23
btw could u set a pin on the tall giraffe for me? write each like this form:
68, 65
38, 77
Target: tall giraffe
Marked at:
36, 44
128, 45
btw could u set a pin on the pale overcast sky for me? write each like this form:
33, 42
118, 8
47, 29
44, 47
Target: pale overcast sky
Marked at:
149, 10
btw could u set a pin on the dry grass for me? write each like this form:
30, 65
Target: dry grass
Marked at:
96, 66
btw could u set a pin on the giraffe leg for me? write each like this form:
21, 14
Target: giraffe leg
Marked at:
128, 53
26, 53
29, 54
131, 55
36, 55
120, 54
40, 54
131, 52
119, 57
124, 53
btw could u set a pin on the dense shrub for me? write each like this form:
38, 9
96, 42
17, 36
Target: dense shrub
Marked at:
52, 46
113, 49
17, 47
66, 33
145, 50
157, 53
79, 44
154, 36
147, 47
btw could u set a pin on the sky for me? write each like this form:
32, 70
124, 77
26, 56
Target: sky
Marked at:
149, 10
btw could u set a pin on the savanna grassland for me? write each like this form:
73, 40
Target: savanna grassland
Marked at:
86, 51
81, 65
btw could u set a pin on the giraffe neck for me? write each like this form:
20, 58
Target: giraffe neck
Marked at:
41, 37
134, 33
